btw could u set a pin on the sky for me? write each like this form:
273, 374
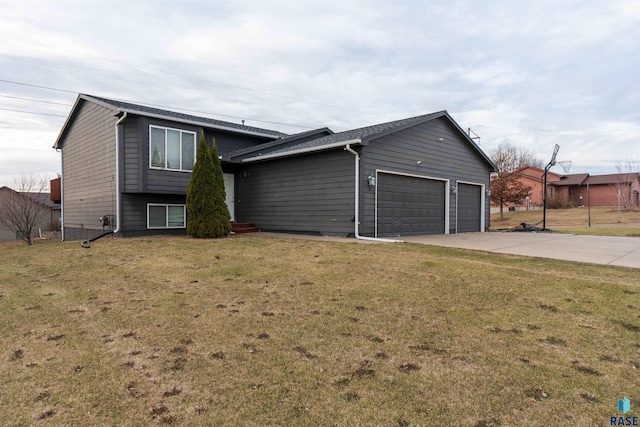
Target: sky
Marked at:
529, 73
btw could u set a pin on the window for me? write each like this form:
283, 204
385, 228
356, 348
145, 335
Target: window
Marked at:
166, 216
171, 149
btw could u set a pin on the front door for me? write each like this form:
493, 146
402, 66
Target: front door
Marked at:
229, 190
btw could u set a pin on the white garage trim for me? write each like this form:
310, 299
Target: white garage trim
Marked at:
446, 196
482, 203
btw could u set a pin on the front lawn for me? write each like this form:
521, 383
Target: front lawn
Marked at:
261, 331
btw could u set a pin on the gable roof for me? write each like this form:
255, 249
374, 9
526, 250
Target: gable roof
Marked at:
536, 173
41, 198
283, 141
574, 179
363, 135
608, 179
614, 178
119, 107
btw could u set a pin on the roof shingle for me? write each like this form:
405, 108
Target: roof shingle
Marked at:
173, 115
363, 134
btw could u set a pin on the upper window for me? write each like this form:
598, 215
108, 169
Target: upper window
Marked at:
171, 149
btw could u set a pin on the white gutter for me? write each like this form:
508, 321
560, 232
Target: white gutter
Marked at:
124, 116
61, 194
357, 200
303, 150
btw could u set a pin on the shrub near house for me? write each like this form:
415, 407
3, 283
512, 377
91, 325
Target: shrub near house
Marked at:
206, 208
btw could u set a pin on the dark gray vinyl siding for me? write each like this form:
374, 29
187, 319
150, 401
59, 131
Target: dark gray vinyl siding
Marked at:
452, 158
279, 146
306, 194
134, 211
227, 141
156, 180
133, 156
89, 167
140, 178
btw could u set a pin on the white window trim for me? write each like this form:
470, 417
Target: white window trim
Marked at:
165, 129
166, 206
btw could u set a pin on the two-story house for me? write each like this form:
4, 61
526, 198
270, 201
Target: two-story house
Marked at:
126, 167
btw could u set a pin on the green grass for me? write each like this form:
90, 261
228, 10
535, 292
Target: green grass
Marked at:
605, 221
257, 331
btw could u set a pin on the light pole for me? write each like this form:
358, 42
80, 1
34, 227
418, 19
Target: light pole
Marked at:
544, 187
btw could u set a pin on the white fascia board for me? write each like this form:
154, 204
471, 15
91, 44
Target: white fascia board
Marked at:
302, 150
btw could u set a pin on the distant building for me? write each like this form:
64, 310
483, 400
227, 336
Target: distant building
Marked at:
533, 177
51, 214
599, 190
580, 189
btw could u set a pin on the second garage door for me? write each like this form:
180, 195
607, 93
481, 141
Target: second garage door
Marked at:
469, 207
409, 205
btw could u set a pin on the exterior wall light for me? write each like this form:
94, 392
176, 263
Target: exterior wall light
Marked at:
454, 189
488, 192
371, 180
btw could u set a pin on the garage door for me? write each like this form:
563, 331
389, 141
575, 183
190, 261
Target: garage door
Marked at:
410, 206
469, 207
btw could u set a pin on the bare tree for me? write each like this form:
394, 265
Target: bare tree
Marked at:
626, 182
22, 208
506, 186
509, 158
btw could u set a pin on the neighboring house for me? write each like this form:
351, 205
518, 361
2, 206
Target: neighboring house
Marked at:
568, 189
599, 190
533, 177
131, 164
50, 213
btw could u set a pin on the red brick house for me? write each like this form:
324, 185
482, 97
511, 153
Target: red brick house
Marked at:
568, 189
598, 190
533, 177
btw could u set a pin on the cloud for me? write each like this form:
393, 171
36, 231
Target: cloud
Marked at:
532, 73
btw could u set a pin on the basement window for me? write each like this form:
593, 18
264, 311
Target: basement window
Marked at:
171, 149
166, 216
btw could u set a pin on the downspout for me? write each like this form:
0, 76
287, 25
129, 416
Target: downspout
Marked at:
124, 116
62, 196
357, 200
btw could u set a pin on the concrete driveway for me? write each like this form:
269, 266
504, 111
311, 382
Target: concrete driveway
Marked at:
619, 251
